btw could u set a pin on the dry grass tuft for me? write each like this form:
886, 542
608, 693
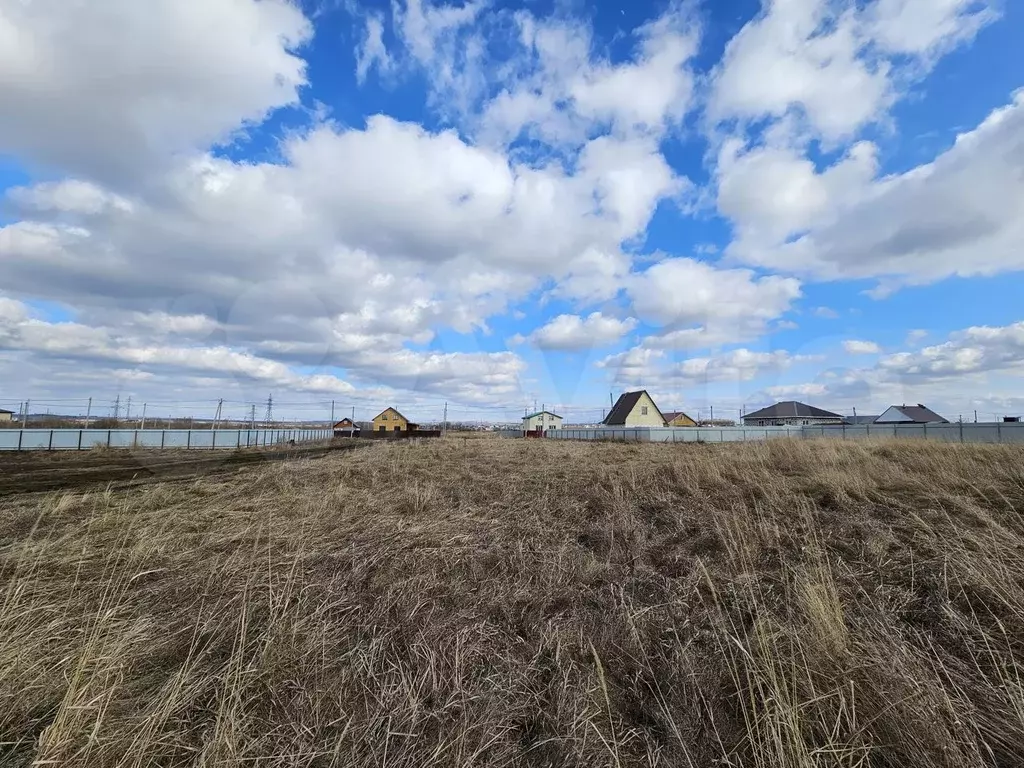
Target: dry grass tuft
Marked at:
526, 603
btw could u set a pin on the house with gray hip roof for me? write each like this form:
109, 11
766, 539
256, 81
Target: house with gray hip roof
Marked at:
790, 413
910, 414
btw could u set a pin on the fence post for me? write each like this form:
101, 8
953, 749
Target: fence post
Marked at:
213, 443
108, 438
163, 437
961, 431
188, 440
80, 438
21, 434
999, 432
135, 439
238, 442
50, 446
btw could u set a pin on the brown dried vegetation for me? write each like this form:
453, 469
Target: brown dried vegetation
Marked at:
526, 603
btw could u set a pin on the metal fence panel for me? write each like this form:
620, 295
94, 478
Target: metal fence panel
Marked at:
86, 439
967, 433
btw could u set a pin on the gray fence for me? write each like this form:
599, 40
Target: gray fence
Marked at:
953, 433
198, 439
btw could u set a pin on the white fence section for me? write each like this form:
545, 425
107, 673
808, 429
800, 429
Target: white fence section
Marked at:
995, 432
209, 439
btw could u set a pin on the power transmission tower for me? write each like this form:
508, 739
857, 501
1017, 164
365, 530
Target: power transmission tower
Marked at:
268, 418
117, 408
252, 418
128, 409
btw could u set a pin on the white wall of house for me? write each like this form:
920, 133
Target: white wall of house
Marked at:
542, 421
790, 421
645, 414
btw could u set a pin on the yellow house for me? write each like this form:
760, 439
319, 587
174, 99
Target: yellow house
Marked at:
678, 419
390, 420
635, 409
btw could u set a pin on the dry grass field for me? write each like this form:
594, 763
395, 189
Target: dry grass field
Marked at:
526, 603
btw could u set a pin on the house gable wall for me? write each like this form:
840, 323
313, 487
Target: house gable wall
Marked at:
389, 419
637, 417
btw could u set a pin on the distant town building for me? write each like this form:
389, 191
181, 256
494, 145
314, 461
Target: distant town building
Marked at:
791, 413
910, 414
635, 409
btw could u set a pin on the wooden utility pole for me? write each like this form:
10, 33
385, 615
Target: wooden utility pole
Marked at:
444, 428
144, 406
88, 413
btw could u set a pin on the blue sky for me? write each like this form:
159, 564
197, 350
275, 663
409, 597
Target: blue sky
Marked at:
493, 204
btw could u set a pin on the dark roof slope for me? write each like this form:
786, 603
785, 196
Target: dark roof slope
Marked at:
538, 413
4, 410
624, 406
791, 409
860, 419
920, 414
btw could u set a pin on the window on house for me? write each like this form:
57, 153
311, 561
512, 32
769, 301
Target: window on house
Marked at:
643, 410
383, 417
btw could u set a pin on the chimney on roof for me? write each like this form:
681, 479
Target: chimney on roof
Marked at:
920, 406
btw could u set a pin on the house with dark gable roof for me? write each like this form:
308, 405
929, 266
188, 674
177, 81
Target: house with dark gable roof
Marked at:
635, 409
791, 413
910, 414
